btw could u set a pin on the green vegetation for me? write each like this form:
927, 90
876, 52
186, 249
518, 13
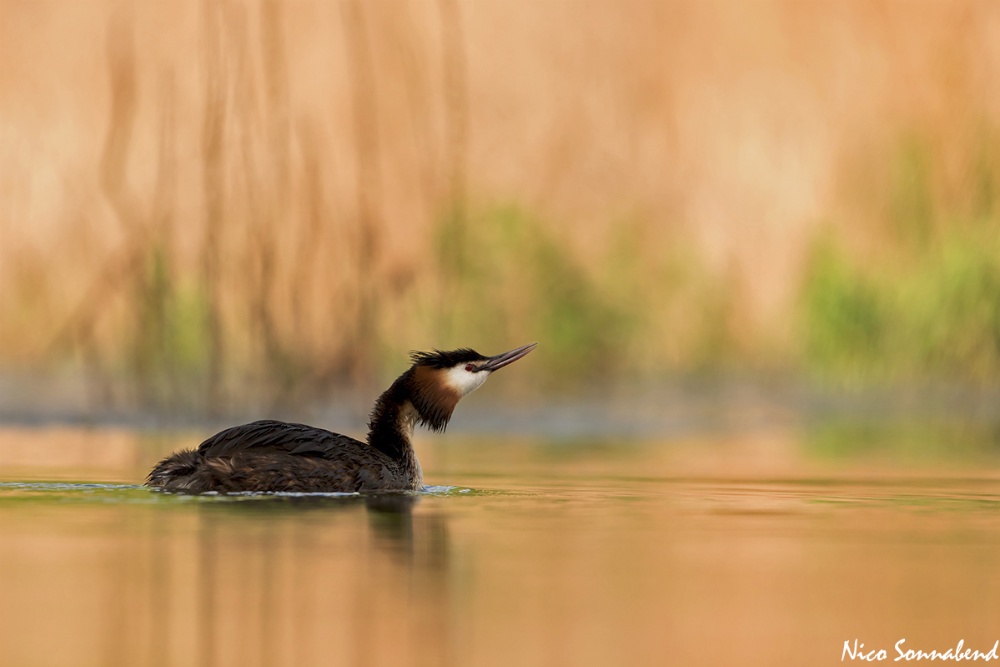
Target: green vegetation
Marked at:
168, 340
506, 278
844, 314
926, 304
938, 315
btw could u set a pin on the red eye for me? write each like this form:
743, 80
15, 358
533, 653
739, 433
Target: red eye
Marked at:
470, 368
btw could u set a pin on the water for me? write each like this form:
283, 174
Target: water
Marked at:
762, 548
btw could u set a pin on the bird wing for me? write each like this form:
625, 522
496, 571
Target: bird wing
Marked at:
276, 436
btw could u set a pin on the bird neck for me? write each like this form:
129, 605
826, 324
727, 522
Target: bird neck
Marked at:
417, 396
393, 418
391, 426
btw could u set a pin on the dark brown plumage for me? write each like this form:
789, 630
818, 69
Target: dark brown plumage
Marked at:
270, 455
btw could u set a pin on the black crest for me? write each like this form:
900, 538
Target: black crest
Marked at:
439, 359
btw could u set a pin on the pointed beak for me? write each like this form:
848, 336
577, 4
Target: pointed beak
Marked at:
501, 360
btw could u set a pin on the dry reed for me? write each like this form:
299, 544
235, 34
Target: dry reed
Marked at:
243, 194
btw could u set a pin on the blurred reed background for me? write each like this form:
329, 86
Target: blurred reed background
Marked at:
203, 204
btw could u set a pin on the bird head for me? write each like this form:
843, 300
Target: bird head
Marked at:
440, 378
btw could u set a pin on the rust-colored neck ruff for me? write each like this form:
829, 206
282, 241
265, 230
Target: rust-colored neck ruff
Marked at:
419, 395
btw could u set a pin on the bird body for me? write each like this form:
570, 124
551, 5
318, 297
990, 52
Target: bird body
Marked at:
271, 455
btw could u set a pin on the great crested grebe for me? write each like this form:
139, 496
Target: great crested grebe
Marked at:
271, 455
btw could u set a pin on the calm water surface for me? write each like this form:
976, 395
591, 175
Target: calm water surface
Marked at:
763, 549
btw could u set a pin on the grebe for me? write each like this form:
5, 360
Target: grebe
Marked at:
271, 455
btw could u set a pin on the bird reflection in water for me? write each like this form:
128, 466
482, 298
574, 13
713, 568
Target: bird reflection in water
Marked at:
302, 580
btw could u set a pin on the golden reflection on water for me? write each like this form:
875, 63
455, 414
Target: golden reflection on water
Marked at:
527, 569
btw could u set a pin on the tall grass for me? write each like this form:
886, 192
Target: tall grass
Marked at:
512, 279
266, 200
926, 304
